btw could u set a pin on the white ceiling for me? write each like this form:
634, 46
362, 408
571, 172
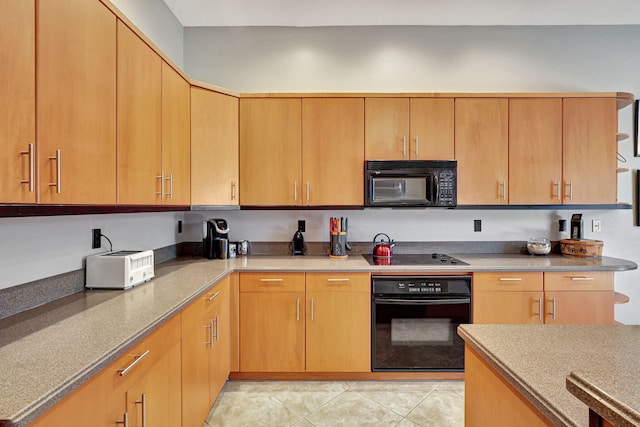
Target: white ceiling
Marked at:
305, 13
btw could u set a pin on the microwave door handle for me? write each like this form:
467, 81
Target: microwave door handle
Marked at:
395, 301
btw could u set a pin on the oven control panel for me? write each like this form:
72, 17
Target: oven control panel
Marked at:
423, 285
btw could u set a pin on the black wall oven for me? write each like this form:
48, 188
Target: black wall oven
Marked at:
414, 322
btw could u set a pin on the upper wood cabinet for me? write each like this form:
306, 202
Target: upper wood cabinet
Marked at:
431, 128
176, 137
76, 107
140, 178
482, 150
332, 151
589, 133
270, 150
409, 128
17, 110
535, 151
214, 148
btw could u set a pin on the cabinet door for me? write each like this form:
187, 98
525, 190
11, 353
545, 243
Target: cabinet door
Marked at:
481, 148
272, 322
589, 143
154, 400
333, 151
386, 128
270, 141
219, 361
139, 120
17, 110
535, 151
579, 307
431, 122
338, 327
214, 148
196, 336
176, 143
76, 106
508, 307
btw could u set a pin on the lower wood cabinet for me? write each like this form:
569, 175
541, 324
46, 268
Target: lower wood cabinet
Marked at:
272, 322
550, 298
338, 326
293, 323
142, 387
205, 352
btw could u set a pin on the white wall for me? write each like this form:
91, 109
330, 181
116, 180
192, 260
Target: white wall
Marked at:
38, 247
431, 59
156, 21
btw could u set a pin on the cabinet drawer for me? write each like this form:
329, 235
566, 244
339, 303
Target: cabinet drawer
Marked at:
509, 281
344, 282
140, 358
271, 282
579, 281
203, 304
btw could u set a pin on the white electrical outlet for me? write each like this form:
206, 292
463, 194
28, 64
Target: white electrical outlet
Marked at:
596, 226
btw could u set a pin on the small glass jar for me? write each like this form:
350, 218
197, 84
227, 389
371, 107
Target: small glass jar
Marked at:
539, 246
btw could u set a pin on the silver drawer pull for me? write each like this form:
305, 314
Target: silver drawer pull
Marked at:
125, 420
271, 280
582, 279
138, 359
212, 297
345, 279
58, 159
510, 279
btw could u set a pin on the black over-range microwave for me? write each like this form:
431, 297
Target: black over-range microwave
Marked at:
411, 183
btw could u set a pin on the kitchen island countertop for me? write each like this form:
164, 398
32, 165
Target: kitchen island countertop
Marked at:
49, 351
552, 364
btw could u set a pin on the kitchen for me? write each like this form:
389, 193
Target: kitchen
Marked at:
511, 66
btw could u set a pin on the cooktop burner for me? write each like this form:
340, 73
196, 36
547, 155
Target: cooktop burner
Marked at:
414, 259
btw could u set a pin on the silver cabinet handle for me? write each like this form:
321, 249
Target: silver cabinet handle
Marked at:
345, 279
217, 335
212, 297
143, 402
137, 360
510, 279
404, 145
557, 185
295, 191
31, 179
312, 309
582, 279
214, 330
210, 328
58, 160
540, 310
553, 308
233, 190
504, 190
297, 308
308, 190
161, 178
570, 184
125, 420
170, 179
272, 280
417, 145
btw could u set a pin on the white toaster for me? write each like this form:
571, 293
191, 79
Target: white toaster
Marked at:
119, 269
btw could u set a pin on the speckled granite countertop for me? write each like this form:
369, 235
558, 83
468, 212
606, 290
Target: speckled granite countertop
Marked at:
537, 359
49, 351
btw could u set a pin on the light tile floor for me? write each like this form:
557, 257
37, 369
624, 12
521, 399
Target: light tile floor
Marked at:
339, 403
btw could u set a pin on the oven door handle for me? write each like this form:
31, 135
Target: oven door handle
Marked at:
395, 301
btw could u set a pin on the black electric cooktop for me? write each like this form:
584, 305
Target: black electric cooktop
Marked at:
414, 259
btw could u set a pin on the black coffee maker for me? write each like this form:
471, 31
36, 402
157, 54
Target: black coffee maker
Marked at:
214, 233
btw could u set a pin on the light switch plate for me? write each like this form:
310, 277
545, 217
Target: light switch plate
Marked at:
596, 226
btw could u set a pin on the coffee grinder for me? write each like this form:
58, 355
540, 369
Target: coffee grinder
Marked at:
297, 243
